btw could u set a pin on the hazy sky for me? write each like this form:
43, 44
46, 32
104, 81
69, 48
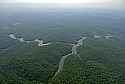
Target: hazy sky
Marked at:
104, 3
56, 1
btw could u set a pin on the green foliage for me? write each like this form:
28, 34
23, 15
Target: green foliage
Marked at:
102, 63
28, 63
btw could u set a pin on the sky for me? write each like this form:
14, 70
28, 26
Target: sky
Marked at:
56, 1
92, 3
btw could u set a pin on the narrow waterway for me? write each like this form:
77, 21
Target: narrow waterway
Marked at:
74, 52
40, 42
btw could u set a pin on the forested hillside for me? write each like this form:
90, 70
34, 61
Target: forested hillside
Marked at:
51, 45
102, 63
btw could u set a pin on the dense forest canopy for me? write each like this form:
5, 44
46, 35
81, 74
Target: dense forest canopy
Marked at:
62, 44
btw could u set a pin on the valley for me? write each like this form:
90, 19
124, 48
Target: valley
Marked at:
61, 45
